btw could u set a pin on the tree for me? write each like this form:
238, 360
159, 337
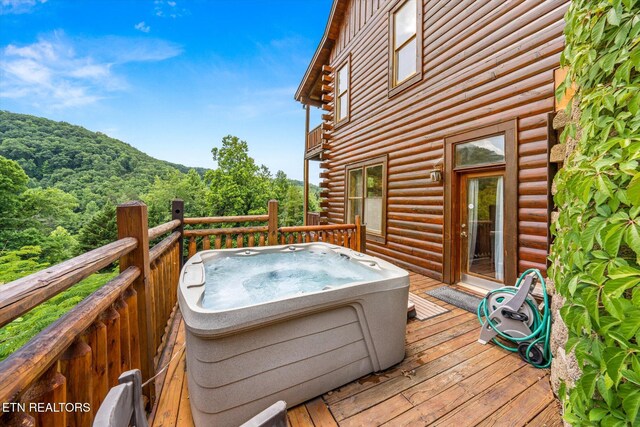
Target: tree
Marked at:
59, 246
13, 182
292, 206
237, 186
48, 208
190, 188
100, 230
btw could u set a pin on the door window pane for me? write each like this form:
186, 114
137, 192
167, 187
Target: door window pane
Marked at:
480, 152
404, 23
405, 63
485, 224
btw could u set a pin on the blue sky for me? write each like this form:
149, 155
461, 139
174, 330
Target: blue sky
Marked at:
170, 77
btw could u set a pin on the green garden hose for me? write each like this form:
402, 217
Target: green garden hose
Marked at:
541, 326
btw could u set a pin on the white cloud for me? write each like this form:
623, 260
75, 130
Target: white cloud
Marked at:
168, 9
56, 72
141, 26
18, 6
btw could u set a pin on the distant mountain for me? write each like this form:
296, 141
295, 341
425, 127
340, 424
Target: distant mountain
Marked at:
90, 165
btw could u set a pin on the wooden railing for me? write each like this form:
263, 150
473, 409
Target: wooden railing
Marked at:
268, 233
117, 328
314, 138
124, 324
313, 218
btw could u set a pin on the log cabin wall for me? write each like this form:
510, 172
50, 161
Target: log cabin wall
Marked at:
484, 63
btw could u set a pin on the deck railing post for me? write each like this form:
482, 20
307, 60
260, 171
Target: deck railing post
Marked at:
361, 235
273, 223
177, 212
133, 222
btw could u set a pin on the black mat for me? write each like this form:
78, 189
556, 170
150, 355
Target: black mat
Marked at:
460, 299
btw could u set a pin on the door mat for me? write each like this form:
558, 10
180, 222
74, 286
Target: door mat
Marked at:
455, 297
425, 309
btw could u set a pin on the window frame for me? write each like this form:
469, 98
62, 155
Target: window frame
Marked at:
363, 165
337, 122
397, 87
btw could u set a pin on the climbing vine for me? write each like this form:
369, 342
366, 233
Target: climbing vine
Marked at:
596, 252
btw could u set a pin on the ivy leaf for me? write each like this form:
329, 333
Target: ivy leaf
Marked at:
613, 238
634, 377
631, 404
593, 226
633, 190
596, 414
605, 391
632, 237
611, 421
609, 100
614, 359
613, 306
598, 30
588, 382
612, 17
624, 271
591, 302
631, 324
615, 288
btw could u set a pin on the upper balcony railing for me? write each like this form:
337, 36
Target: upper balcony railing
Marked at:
125, 323
313, 218
314, 142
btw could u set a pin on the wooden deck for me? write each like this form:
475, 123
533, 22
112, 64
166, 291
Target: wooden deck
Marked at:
446, 379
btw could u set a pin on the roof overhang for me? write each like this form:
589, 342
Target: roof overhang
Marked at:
309, 91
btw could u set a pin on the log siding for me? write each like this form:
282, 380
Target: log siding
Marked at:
483, 63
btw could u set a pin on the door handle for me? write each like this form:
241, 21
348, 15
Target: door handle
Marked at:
463, 234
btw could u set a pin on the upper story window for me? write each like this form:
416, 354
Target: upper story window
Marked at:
405, 44
366, 194
342, 92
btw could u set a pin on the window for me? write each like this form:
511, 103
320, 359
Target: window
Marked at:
485, 151
342, 100
405, 45
342, 95
366, 194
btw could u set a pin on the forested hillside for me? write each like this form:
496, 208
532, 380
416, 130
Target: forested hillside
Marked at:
60, 184
89, 165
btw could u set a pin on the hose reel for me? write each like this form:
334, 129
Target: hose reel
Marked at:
511, 314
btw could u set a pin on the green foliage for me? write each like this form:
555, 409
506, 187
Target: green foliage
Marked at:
100, 230
13, 182
88, 165
47, 208
292, 209
190, 188
238, 186
20, 263
22, 329
59, 246
596, 253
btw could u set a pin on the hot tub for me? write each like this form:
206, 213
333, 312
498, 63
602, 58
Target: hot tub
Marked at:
285, 323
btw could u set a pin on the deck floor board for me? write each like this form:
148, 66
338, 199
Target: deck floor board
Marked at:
446, 378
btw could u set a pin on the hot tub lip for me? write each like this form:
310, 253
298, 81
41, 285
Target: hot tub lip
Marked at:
201, 257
